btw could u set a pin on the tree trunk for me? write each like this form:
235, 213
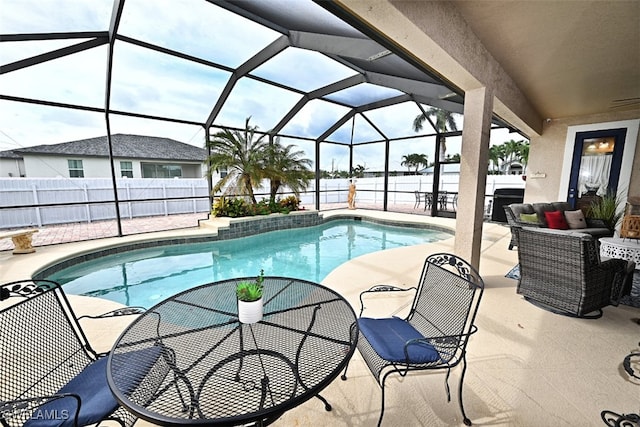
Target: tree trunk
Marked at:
274, 186
249, 188
443, 149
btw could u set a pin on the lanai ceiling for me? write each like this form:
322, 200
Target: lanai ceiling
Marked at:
570, 58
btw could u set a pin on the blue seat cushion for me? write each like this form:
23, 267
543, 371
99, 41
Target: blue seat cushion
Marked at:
388, 338
91, 386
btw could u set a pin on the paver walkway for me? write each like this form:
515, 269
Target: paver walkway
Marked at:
75, 232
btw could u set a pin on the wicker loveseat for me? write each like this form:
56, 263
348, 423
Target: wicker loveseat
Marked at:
563, 272
533, 215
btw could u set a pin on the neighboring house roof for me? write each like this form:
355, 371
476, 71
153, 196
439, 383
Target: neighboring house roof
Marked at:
124, 146
9, 154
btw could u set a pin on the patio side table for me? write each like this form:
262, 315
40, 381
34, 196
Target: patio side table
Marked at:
627, 249
223, 372
617, 247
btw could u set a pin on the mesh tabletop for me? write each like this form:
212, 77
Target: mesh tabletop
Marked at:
223, 372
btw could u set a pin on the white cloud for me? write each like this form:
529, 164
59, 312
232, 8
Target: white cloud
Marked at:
303, 69
24, 125
314, 118
188, 134
34, 16
151, 83
266, 104
76, 79
197, 28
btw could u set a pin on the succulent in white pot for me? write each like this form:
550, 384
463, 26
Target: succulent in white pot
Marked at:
249, 295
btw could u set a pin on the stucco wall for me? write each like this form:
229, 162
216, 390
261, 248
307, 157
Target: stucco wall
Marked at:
52, 166
547, 155
94, 167
11, 168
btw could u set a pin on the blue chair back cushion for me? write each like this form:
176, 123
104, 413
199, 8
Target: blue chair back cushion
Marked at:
388, 337
93, 390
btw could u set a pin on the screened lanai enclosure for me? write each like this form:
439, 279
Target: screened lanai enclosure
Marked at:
303, 71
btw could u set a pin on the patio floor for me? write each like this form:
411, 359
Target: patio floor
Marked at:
527, 366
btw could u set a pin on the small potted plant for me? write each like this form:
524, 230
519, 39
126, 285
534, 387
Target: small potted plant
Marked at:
249, 295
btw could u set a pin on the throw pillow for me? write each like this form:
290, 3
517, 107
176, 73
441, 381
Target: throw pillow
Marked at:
540, 209
533, 218
575, 219
556, 220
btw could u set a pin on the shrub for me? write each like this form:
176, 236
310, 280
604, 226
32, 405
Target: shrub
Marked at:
290, 203
263, 207
237, 207
231, 207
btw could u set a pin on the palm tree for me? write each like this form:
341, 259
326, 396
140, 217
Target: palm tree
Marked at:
358, 171
443, 121
496, 156
513, 152
414, 161
242, 154
523, 152
454, 158
285, 167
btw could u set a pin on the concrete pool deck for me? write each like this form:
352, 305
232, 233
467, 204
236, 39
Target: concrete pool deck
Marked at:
527, 366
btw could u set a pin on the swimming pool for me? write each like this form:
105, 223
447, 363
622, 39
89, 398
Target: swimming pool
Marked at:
146, 276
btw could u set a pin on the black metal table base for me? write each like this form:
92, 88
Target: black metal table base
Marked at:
620, 420
623, 420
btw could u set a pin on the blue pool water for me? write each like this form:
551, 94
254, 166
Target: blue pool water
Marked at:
145, 277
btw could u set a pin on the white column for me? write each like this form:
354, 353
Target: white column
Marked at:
478, 106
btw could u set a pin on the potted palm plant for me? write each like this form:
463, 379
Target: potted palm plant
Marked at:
249, 295
606, 209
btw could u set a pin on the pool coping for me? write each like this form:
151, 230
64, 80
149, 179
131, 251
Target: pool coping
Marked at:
220, 229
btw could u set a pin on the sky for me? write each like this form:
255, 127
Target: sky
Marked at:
152, 83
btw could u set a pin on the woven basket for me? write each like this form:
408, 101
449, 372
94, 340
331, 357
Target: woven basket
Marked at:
630, 227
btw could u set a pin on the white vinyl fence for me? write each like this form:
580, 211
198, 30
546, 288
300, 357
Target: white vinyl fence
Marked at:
75, 193
134, 194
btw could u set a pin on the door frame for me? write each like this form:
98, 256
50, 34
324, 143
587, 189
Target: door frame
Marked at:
619, 136
628, 154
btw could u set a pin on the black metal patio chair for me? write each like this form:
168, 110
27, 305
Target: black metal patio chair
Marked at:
419, 199
49, 373
428, 200
436, 331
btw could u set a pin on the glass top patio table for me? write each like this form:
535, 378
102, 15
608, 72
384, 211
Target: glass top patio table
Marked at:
222, 372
